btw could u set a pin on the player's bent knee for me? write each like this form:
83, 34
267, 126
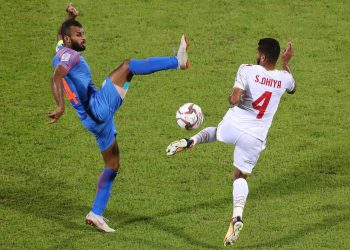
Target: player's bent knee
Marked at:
113, 165
240, 174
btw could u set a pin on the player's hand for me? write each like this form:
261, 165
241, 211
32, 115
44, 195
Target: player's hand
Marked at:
287, 54
55, 115
72, 12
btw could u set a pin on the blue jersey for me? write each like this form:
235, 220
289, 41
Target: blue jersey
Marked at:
78, 84
95, 108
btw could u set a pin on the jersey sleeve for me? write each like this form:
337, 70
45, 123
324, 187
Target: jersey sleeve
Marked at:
241, 77
69, 59
290, 83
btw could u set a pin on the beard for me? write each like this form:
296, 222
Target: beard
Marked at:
77, 47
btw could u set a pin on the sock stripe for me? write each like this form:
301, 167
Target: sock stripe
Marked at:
240, 193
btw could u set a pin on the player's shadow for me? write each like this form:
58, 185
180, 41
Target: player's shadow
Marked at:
313, 181
44, 201
320, 227
177, 232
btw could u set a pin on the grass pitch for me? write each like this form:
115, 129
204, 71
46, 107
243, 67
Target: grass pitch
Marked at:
299, 190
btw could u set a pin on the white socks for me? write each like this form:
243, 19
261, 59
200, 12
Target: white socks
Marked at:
204, 136
240, 193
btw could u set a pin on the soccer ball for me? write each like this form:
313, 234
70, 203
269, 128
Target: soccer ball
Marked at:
189, 116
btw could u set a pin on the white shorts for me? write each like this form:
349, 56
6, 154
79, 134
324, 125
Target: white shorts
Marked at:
247, 147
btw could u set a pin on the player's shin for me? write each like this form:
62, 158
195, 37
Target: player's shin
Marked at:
104, 186
240, 193
204, 136
153, 64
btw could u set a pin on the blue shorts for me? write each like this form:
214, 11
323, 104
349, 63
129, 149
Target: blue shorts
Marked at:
100, 121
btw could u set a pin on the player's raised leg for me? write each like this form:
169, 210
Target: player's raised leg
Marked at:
206, 135
122, 75
154, 64
104, 187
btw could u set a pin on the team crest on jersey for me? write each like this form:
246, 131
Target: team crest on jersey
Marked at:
65, 57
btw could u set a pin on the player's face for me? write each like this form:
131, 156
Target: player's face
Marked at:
78, 39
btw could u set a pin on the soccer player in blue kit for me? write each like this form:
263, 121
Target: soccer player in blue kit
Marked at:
96, 107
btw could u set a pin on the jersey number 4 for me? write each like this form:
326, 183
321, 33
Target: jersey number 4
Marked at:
264, 99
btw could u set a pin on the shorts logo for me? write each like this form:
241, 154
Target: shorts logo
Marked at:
249, 162
65, 57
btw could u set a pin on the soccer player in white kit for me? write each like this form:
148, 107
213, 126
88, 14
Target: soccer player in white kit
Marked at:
254, 98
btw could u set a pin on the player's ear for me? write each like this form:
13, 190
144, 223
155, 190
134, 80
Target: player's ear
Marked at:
66, 39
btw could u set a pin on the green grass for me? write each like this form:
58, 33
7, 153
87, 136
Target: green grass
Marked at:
299, 191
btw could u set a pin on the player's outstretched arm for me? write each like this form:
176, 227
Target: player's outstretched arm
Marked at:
57, 92
72, 14
287, 54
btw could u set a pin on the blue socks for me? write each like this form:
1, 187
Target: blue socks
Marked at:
153, 64
104, 186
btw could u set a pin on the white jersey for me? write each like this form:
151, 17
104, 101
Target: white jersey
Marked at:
262, 93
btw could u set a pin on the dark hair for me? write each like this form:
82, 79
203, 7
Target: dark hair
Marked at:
65, 27
270, 48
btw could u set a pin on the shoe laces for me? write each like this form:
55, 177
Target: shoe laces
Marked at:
105, 219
